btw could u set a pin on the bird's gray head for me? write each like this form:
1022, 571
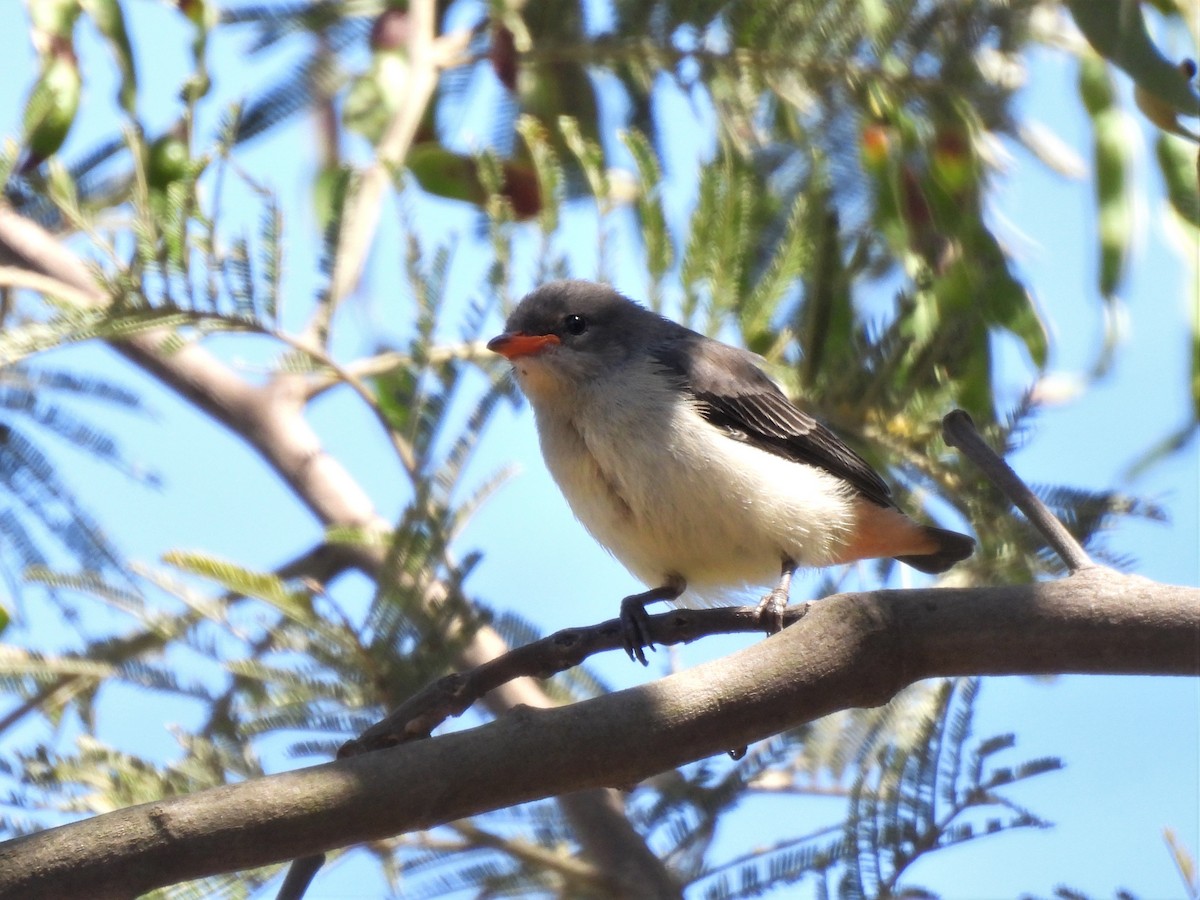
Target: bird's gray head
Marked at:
567, 335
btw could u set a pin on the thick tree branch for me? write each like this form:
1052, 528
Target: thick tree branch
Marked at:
848, 650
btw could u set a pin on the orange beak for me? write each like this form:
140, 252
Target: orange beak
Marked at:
513, 345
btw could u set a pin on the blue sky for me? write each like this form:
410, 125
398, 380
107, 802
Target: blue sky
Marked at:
1132, 745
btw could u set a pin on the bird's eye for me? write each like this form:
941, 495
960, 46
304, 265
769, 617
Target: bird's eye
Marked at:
575, 324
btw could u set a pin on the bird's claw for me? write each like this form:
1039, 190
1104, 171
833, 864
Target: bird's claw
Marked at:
635, 629
770, 611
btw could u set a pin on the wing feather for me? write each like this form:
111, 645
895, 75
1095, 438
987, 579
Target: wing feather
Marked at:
733, 393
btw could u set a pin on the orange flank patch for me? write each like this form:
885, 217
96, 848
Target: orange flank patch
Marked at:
879, 533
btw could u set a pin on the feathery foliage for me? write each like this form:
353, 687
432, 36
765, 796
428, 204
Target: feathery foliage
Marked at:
808, 178
40, 517
913, 791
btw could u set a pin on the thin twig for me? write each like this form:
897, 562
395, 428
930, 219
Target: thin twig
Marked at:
299, 876
428, 55
384, 363
574, 870
960, 432
759, 852
452, 695
14, 276
403, 451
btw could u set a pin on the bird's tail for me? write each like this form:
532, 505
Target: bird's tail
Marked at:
950, 547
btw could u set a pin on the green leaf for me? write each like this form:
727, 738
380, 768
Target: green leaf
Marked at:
724, 237
547, 166
580, 143
788, 261
551, 90
51, 107
168, 160
457, 176
1112, 153
376, 95
265, 586
827, 319
365, 536
656, 238
1004, 300
54, 17
1179, 163
1117, 29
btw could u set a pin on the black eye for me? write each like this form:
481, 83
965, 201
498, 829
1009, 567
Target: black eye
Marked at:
575, 324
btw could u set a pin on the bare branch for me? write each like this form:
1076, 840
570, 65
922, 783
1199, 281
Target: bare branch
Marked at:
383, 363
960, 432
299, 876
428, 54
13, 276
575, 871
454, 694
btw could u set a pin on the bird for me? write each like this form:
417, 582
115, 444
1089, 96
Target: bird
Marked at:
688, 463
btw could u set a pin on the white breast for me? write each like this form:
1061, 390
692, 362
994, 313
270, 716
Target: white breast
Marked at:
669, 494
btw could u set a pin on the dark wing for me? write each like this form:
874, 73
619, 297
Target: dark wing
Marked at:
734, 394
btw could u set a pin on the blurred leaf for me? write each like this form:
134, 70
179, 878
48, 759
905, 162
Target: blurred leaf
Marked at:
825, 320
1005, 301
1184, 862
1117, 29
549, 171
502, 51
1176, 442
52, 104
549, 90
725, 240
445, 173
656, 239
1179, 164
788, 260
53, 18
1161, 114
578, 140
168, 160
1112, 155
456, 176
377, 95
296, 604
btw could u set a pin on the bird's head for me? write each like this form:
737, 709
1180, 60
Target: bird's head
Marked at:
567, 335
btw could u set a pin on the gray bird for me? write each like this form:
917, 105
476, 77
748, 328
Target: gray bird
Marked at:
689, 464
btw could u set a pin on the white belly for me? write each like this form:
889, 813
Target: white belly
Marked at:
717, 512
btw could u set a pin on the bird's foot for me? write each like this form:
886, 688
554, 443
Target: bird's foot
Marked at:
770, 610
771, 607
635, 629
635, 623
